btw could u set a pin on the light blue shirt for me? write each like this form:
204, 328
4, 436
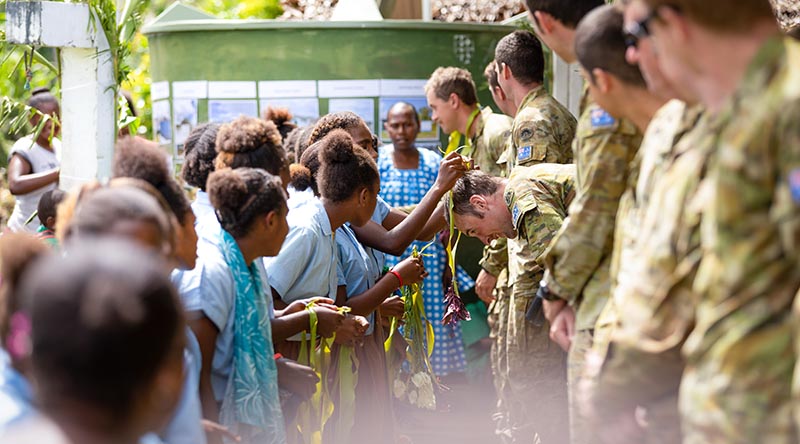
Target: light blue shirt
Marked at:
306, 264
356, 269
185, 426
382, 210
16, 397
299, 198
209, 289
201, 205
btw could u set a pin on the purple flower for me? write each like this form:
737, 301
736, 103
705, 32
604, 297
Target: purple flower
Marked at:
455, 310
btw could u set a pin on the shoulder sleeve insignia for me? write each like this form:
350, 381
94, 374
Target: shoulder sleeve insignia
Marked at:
601, 119
794, 185
524, 153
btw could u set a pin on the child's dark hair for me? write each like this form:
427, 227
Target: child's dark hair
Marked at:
100, 211
342, 120
248, 142
199, 154
243, 194
282, 118
304, 175
40, 97
296, 142
48, 204
17, 252
344, 168
141, 159
103, 326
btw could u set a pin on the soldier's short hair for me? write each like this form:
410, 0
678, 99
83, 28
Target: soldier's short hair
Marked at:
599, 43
473, 183
719, 15
448, 80
490, 73
522, 52
568, 12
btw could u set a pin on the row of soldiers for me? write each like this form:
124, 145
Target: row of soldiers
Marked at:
664, 260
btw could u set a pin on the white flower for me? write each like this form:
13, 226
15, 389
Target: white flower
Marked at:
426, 398
399, 389
412, 397
421, 379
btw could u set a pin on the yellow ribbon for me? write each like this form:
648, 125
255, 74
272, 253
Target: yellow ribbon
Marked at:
454, 140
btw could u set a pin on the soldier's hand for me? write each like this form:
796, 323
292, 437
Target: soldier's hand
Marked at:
484, 286
562, 329
553, 308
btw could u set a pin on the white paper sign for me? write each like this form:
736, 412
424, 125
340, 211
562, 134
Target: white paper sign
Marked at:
349, 88
159, 90
287, 88
403, 88
231, 90
223, 111
194, 89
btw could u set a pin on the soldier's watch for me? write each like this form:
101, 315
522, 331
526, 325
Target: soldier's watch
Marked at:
545, 293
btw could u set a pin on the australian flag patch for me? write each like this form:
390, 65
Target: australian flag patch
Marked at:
602, 119
524, 153
794, 185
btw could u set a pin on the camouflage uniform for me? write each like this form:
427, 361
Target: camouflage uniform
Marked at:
579, 258
739, 356
543, 123
655, 242
492, 132
542, 132
538, 198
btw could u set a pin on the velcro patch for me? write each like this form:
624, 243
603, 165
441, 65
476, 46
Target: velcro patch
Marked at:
515, 214
524, 153
794, 185
602, 119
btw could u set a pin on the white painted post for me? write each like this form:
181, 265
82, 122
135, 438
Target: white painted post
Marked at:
88, 108
567, 84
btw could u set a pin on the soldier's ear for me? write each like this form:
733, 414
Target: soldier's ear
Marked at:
454, 100
478, 202
602, 80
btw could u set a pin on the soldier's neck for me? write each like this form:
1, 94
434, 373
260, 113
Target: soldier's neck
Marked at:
641, 106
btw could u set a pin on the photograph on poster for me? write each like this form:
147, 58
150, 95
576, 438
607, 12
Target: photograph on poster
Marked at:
304, 111
428, 129
365, 108
162, 123
223, 111
185, 111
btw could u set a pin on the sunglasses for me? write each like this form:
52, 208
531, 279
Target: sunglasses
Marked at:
638, 30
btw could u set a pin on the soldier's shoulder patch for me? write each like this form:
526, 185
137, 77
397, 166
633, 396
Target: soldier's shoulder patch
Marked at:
525, 133
601, 119
794, 185
515, 214
524, 153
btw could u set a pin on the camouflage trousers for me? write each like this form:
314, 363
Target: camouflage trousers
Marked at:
537, 381
744, 397
580, 429
498, 320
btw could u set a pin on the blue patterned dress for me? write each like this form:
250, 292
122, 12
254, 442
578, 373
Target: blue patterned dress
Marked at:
408, 187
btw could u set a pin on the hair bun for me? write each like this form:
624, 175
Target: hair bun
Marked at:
226, 189
278, 115
246, 134
337, 147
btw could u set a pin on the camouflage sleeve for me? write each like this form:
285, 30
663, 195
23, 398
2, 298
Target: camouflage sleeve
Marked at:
538, 227
495, 257
587, 235
534, 139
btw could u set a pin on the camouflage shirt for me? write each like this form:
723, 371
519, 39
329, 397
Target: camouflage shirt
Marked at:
538, 198
579, 258
542, 132
491, 139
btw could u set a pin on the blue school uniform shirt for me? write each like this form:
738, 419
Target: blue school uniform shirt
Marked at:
306, 265
355, 268
209, 290
16, 397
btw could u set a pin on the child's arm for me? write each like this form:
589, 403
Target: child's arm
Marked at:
411, 270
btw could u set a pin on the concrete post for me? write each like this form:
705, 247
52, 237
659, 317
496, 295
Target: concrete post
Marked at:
88, 108
567, 84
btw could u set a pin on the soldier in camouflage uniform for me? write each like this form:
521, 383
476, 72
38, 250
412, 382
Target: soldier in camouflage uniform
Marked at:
576, 284
739, 356
528, 209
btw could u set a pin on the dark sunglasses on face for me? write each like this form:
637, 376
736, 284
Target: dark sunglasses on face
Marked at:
638, 30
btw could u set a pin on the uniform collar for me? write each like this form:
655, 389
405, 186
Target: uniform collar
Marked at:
321, 217
532, 95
